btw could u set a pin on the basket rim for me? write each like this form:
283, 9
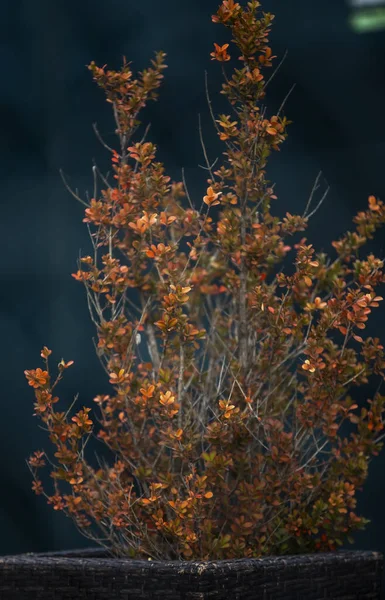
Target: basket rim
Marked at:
90, 558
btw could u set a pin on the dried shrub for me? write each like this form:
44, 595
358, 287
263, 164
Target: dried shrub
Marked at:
227, 433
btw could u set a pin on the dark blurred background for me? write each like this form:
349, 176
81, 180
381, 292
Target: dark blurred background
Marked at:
336, 58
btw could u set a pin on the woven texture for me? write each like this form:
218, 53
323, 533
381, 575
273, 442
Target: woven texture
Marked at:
87, 575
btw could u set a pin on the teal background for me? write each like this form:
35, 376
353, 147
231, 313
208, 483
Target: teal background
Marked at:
48, 103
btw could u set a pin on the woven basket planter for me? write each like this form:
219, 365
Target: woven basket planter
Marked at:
88, 575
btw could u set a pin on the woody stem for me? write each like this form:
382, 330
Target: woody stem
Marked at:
180, 383
243, 303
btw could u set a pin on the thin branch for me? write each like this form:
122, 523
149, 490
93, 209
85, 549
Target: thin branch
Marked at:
180, 384
208, 166
314, 189
186, 189
71, 191
95, 128
285, 100
276, 69
319, 204
210, 104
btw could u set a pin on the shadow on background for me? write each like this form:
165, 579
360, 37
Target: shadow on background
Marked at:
48, 105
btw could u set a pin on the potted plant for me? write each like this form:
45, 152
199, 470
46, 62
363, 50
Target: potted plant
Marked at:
231, 355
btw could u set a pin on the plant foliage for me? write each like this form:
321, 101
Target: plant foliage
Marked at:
231, 377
